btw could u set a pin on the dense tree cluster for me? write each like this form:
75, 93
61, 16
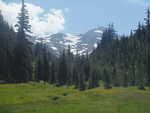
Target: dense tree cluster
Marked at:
7, 44
117, 61
124, 60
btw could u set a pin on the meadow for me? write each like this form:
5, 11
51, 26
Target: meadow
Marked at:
45, 98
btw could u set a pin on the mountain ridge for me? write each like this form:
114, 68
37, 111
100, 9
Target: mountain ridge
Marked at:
79, 43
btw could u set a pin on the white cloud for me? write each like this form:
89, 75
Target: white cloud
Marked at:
140, 2
42, 22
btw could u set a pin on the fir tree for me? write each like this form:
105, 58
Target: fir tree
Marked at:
23, 49
62, 75
107, 82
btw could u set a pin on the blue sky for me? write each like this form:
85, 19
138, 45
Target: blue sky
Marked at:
83, 15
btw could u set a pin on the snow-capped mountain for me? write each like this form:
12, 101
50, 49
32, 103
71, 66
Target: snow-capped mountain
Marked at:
81, 43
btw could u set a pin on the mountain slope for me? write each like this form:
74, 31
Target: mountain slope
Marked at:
83, 43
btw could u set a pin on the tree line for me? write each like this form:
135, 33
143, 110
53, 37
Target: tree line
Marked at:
117, 61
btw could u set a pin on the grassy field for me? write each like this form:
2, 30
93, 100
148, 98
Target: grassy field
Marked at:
44, 98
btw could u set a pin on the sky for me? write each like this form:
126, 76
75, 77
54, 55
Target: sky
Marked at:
78, 16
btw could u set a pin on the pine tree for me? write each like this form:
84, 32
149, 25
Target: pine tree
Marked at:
125, 80
23, 49
7, 42
107, 82
82, 85
39, 70
62, 75
76, 78
148, 70
93, 79
108, 35
23, 21
115, 78
52, 75
147, 19
140, 75
46, 65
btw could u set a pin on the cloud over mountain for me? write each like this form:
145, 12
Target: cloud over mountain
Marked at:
43, 22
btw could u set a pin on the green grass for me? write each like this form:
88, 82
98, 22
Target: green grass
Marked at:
45, 98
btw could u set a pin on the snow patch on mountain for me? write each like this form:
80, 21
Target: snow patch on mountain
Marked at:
95, 45
99, 38
79, 43
54, 48
98, 31
71, 40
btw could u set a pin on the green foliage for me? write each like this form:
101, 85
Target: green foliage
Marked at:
7, 44
107, 82
23, 49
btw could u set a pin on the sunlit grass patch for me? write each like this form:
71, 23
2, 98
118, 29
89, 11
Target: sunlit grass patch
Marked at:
100, 91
